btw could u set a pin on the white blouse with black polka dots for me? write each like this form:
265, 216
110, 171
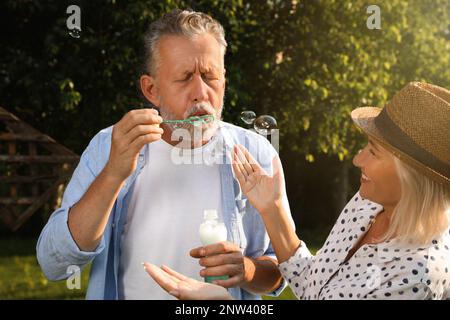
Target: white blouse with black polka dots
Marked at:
387, 270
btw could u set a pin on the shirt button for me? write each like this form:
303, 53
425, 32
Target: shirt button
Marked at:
113, 225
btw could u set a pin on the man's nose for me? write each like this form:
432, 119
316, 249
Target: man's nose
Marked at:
199, 91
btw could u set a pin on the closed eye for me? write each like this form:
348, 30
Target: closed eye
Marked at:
209, 77
185, 78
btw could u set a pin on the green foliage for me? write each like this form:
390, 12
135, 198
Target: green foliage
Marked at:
312, 62
307, 62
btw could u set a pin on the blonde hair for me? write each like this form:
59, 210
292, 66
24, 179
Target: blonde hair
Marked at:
424, 207
178, 22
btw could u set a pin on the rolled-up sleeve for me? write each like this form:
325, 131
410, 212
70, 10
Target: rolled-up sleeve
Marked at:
283, 283
56, 249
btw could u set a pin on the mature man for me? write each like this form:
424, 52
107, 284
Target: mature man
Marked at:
135, 198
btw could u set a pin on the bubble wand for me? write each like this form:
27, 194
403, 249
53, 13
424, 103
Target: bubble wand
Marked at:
195, 120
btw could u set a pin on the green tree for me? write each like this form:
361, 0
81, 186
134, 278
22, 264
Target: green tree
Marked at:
309, 63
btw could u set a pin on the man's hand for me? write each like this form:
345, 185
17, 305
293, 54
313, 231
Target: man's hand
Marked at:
89, 216
223, 259
130, 134
184, 288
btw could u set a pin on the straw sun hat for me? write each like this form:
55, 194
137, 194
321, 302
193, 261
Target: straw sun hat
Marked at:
415, 127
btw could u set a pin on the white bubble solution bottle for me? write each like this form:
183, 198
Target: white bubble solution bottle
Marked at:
212, 231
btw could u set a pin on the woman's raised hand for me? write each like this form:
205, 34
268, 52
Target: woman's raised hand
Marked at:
263, 191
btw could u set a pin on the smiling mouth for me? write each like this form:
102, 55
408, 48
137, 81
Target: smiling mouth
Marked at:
364, 177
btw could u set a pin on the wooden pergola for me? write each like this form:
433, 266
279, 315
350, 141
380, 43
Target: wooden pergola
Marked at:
33, 168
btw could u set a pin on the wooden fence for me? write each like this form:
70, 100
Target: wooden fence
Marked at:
33, 170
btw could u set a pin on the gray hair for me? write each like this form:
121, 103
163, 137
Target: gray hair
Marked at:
178, 22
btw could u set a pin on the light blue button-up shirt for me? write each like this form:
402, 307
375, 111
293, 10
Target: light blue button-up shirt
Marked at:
57, 251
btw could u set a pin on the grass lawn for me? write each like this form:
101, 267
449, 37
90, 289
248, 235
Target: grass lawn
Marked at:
22, 278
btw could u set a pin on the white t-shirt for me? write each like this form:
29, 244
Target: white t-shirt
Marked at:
164, 216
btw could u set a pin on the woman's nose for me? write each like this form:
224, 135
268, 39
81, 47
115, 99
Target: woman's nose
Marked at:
357, 159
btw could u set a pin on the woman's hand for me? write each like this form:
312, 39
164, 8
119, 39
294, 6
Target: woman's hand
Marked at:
185, 288
263, 191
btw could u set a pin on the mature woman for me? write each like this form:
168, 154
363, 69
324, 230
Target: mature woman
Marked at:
392, 239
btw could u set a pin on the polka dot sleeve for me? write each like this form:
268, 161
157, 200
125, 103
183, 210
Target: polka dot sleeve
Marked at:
295, 269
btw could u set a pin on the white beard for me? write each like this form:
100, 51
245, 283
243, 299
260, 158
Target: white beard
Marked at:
192, 135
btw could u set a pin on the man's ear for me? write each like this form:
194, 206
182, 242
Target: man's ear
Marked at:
150, 89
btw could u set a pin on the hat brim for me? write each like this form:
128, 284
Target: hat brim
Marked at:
364, 118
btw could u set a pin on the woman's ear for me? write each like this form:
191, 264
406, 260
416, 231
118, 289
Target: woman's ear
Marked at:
149, 89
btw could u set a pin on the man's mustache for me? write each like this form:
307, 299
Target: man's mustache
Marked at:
200, 109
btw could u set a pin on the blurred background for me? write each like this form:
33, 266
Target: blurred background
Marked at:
308, 63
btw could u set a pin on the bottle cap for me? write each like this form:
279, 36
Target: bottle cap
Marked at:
210, 214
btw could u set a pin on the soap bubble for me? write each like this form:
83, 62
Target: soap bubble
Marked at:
75, 32
248, 116
265, 124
